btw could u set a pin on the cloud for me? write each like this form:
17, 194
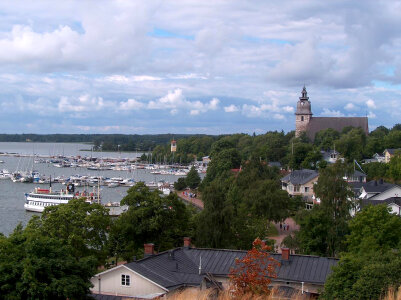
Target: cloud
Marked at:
83, 103
131, 104
331, 113
127, 80
175, 101
74, 59
370, 103
350, 106
231, 108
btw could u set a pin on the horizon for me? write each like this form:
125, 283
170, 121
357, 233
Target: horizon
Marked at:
195, 67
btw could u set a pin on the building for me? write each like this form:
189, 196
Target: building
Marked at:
173, 146
305, 122
186, 267
377, 192
389, 153
300, 182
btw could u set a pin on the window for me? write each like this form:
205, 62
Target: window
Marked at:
296, 188
125, 280
306, 189
302, 118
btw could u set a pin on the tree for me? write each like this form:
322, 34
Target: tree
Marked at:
37, 266
180, 184
192, 180
81, 225
151, 217
252, 274
324, 227
394, 168
335, 196
372, 261
214, 224
351, 143
268, 201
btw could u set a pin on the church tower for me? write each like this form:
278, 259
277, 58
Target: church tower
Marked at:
303, 115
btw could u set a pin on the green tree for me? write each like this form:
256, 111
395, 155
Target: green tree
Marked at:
351, 144
325, 139
324, 227
214, 224
81, 225
180, 184
394, 168
34, 265
193, 179
372, 262
376, 170
151, 217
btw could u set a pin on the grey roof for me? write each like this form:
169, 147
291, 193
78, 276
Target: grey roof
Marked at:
391, 151
274, 164
375, 186
395, 200
182, 269
108, 297
300, 176
337, 123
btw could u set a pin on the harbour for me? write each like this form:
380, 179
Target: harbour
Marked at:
121, 170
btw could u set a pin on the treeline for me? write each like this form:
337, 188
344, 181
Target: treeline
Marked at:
104, 142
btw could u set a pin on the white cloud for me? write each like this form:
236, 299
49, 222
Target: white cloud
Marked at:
331, 113
231, 108
371, 115
83, 103
175, 100
267, 110
350, 106
127, 80
370, 103
279, 116
130, 104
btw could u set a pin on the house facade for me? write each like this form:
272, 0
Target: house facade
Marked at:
301, 182
379, 192
388, 154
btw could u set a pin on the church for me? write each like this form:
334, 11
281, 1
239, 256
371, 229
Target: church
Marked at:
304, 122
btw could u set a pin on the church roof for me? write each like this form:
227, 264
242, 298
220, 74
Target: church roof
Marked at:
337, 123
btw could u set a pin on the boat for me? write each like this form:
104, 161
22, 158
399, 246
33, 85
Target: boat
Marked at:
39, 199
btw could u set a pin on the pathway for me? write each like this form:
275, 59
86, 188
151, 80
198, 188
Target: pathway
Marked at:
184, 195
292, 226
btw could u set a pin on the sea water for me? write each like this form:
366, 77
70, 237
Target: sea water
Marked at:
12, 197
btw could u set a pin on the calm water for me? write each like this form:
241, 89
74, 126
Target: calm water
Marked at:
67, 149
12, 197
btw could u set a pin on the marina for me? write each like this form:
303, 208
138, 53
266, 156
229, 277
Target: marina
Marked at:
120, 171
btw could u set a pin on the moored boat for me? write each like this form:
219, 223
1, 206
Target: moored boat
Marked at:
39, 199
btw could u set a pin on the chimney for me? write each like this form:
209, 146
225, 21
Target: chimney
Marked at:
187, 242
381, 181
285, 253
149, 250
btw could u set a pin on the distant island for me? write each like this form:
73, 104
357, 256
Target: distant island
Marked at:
103, 142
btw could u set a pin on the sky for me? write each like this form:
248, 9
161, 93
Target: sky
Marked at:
213, 67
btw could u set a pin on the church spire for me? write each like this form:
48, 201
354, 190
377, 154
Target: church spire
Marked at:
304, 96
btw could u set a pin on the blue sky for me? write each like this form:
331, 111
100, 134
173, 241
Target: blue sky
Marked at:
195, 66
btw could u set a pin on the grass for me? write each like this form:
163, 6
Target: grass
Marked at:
272, 230
209, 294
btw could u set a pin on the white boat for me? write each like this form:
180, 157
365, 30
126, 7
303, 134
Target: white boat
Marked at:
40, 198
